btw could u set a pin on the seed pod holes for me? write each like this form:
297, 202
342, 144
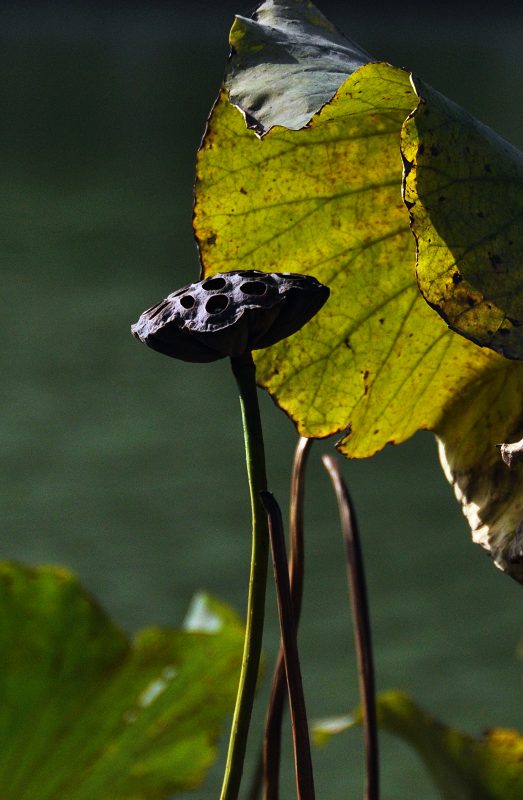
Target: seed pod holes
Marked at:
230, 313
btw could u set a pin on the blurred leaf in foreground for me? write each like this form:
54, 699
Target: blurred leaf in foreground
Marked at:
462, 767
377, 363
88, 715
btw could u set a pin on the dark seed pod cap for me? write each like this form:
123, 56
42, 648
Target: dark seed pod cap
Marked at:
230, 313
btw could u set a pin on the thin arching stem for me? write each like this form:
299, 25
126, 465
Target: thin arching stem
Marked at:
245, 374
256, 780
300, 730
362, 632
273, 725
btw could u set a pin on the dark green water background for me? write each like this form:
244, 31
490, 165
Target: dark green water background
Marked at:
127, 467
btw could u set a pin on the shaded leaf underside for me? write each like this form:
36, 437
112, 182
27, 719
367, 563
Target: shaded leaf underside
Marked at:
464, 185
316, 56
464, 189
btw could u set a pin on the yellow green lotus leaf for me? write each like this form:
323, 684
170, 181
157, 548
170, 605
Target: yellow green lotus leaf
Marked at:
376, 362
323, 196
463, 767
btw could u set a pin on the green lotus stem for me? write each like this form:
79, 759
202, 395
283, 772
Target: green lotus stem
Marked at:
245, 374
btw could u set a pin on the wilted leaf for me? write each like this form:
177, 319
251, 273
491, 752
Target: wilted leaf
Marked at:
464, 187
85, 714
491, 494
377, 363
512, 452
462, 767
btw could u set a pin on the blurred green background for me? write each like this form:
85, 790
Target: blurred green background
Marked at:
128, 467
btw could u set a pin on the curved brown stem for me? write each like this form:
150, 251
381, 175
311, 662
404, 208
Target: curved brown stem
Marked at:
272, 739
267, 771
362, 633
300, 729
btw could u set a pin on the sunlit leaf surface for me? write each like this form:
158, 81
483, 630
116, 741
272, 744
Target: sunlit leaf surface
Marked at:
377, 363
86, 714
326, 201
463, 767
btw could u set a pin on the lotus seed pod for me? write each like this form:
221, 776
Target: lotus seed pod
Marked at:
230, 314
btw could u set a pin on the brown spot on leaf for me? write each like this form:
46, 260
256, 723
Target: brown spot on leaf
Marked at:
242, 190
457, 278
